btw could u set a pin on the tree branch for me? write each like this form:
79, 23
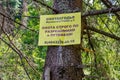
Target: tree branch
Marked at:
6, 16
108, 4
104, 11
89, 13
14, 48
11, 45
104, 33
56, 11
18, 54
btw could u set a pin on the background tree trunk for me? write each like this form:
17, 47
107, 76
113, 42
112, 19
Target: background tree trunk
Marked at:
62, 62
24, 12
5, 23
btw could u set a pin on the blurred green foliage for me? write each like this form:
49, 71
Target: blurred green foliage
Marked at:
106, 66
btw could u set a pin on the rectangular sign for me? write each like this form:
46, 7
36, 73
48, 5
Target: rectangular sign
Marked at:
60, 29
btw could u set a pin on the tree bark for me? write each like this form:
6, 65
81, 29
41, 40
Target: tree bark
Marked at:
5, 23
24, 12
62, 62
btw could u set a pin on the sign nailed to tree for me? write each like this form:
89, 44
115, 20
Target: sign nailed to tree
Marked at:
60, 29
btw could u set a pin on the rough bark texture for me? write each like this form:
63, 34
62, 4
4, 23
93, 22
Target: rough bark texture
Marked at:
5, 23
63, 61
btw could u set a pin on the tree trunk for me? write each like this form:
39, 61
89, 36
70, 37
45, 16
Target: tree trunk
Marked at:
24, 13
5, 23
63, 62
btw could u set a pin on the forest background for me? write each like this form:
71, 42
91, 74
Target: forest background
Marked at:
22, 59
